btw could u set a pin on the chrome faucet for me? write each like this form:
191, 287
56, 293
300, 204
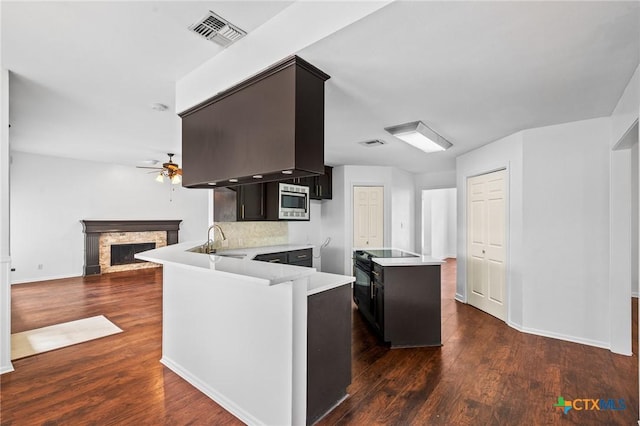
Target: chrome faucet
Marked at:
210, 241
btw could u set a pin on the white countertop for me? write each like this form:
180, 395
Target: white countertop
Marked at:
408, 261
419, 260
252, 252
323, 281
259, 272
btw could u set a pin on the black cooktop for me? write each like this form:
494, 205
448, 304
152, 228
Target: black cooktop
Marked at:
387, 253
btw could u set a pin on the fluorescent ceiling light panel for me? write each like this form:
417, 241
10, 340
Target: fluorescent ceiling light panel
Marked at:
420, 136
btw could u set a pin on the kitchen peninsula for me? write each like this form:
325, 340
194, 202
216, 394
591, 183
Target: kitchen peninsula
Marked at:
269, 342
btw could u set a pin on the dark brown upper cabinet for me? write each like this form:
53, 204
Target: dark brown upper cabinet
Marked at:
320, 186
251, 202
269, 123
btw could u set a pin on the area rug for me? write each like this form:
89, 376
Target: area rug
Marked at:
31, 342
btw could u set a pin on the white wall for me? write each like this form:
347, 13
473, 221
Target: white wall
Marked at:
566, 231
626, 110
334, 222
425, 181
402, 210
51, 195
439, 222
635, 236
337, 214
310, 232
506, 153
5, 249
623, 263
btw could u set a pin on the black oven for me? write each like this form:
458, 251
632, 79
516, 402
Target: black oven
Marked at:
362, 287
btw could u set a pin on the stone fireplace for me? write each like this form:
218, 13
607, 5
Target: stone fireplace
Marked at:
111, 244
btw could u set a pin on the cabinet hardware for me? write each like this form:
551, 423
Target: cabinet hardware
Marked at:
242, 213
320, 190
274, 260
371, 289
376, 274
482, 251
302, 256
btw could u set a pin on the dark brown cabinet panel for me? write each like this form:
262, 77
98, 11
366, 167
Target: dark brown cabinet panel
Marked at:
324, 185
302, 257
251, 202
271, 122
328, 350
272, 257
225, 205
320, 186
405, 305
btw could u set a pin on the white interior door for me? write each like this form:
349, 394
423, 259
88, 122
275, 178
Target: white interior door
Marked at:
368, 216
486, 242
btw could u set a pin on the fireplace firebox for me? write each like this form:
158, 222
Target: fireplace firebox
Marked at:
123, 254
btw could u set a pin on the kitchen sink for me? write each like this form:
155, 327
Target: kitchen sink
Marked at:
203, 249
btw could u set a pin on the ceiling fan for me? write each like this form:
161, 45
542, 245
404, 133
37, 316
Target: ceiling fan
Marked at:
170, 170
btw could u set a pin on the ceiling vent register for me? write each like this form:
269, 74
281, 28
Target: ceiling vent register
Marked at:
375, 142
215, 28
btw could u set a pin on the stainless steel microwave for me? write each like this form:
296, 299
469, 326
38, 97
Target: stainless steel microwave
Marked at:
293, 202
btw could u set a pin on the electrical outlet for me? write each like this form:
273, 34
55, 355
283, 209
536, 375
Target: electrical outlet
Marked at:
40, 266
240, 242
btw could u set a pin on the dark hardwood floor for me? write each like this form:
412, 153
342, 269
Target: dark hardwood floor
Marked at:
486, 373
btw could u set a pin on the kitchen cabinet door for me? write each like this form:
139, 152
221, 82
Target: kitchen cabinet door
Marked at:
323, 185
320, 186
300, 257
378, 306
251, 202
272, 257
225, 205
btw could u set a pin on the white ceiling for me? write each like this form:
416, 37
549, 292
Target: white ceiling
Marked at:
85, 73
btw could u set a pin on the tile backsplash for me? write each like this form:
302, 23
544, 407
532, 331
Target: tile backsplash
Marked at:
254, 234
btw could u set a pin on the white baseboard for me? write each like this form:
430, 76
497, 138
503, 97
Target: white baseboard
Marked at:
48, 278
565, 337
460, 298
6, 369
222, 400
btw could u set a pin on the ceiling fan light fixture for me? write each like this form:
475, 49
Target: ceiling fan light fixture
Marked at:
419, 135
160, 178
176, 179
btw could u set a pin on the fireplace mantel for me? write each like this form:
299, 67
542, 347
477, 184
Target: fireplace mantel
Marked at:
93, 228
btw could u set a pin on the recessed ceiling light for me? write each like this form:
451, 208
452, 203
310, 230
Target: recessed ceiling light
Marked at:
420, 136
212, 183
257, 176
233, 180
159, 107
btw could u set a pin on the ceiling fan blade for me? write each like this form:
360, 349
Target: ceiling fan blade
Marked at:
145, 167
179, 171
